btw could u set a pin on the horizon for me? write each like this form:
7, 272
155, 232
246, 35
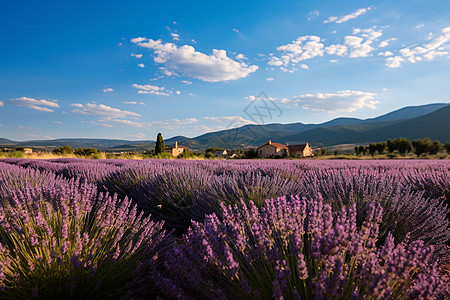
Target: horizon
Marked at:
171, 137
110, 70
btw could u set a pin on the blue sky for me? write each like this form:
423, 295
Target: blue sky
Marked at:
131, 69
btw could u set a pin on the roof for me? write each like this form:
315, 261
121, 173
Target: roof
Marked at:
173, 147
276, 145
297, 147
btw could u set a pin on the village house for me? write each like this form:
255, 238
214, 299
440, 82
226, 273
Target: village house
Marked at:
270, 149
221, 153
302, 150
27, 150
176, 150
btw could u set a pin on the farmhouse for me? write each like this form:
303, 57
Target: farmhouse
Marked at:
27, 150
270, 149
176, 150
302, 150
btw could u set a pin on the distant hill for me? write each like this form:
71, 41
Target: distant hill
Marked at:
411, 122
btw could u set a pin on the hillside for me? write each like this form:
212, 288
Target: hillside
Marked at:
412, 122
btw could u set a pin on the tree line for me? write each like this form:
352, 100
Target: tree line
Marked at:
403, 146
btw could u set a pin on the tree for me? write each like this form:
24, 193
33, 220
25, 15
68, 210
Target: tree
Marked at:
402, 145
63, 150
362, 150
420, 146
434, 147
372, 148
85, 151
357, 150
381, 147
447, 147
160, 147
391, 146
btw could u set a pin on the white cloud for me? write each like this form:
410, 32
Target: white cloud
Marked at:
360, 44
241, 56
175, 36
138, 40
186, 60
420, 26
137, 55
129, 123
167, 72
108, 90
303, 48
150, 89
336, 49
386, 53
187, 82
235, 30
1, 103
40, 105
251, 98
177, 92
426, 51
394, 62
141, 65
345, 18
341, 101
101, 110
241, 120
59, 122
385, 43
269, 78
133, 102
333, 60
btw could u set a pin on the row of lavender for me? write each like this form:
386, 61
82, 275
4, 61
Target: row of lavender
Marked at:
112, 228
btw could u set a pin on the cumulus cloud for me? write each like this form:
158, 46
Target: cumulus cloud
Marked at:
341, 101
1, 103
101, 110
141, 65
137, 55
386, 53
108, 90
423, 52
359, 44
187, 82
303, 48
150, 89
235, 30
269, 78
175, 36
186, 60
385, 43
345, 18
241, 56
40, 105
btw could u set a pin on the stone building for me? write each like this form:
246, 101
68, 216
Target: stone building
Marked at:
302, 150
270, 149
176, 150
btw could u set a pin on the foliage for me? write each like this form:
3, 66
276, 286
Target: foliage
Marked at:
60, 241
447, 147
160, 147
63, 150
293, 249
85, 151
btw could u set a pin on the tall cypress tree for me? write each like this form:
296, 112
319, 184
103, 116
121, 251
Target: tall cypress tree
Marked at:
160, 147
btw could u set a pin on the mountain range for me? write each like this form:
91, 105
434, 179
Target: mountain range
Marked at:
412, 122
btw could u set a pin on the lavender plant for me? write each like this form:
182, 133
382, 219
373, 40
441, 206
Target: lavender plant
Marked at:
62, 241
292, 249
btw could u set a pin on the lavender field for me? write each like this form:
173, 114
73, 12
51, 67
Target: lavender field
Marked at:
118, 229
